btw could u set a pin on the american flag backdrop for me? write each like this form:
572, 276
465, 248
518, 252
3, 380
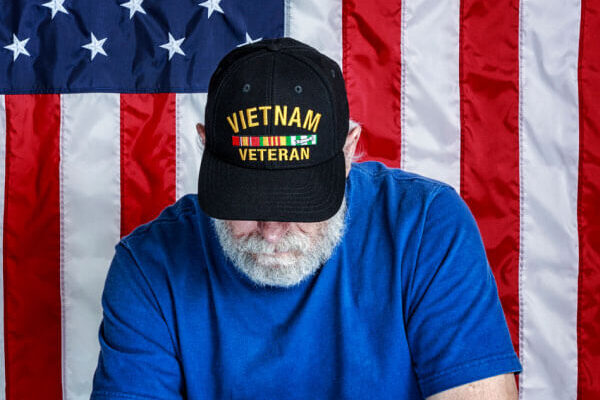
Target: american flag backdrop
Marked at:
99, 99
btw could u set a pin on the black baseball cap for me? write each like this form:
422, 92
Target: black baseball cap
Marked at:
276, 123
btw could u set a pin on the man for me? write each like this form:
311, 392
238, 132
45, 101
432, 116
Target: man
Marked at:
295, 274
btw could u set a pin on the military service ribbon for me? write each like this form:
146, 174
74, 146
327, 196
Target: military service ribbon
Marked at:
268, 141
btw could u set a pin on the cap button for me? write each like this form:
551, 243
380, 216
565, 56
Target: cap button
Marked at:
274, 46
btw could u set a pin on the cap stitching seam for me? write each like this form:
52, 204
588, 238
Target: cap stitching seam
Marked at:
227, 76
329, 88
272, 89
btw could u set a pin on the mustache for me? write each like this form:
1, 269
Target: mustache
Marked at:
290, 242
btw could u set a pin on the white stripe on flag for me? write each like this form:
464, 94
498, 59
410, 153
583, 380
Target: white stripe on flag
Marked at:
317, 23
90, 215
430, 97
189, 111
549, 143
2, 182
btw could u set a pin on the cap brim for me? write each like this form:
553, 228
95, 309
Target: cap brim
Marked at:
310, 194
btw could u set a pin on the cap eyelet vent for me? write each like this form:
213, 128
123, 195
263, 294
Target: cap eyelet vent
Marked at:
246, 88
298, 89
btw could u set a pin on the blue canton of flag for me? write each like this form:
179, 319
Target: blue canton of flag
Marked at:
125, 46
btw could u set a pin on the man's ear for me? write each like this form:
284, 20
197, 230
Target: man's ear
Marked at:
201, 132
350, 147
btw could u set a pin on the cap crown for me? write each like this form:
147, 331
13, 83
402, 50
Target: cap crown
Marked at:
276, 104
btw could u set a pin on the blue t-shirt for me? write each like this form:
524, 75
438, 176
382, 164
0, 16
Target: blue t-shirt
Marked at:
406, 307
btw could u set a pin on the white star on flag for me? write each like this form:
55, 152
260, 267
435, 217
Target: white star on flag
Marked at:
249, 40
95, 46
174, 46
211, 6
56, 6
134, 6
18, 47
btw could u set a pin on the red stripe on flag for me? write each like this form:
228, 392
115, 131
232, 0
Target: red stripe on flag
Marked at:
147, 157
32, 304
489, 88
588, 210
236, 140
372, 70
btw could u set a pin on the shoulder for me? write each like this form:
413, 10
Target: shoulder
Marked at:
397, 193
393, 180
163, 256
165, 245
375, 170
176, 226
171, 218
394, 212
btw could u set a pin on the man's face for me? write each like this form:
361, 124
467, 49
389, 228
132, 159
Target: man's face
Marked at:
280, 253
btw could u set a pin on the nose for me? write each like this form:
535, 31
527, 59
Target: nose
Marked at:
272, 231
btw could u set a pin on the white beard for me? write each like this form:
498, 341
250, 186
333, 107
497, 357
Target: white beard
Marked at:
252, 254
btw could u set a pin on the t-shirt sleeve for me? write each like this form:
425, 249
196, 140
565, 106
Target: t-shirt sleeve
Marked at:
455, 325
137, 353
